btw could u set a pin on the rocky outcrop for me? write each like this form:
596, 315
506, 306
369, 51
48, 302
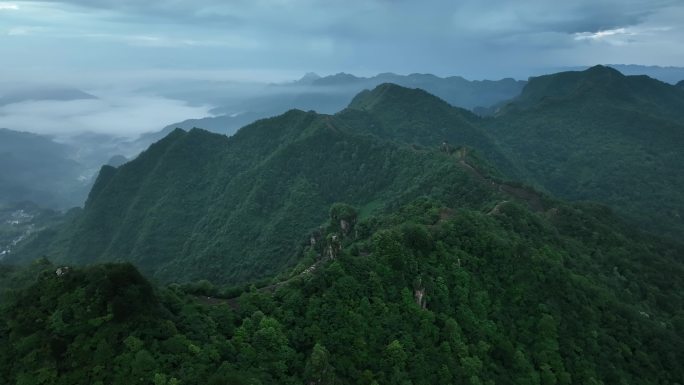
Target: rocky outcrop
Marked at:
419, 296
345, 226
419, 293
334, 246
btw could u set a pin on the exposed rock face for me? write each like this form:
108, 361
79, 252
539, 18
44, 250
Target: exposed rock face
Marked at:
334, 246
62, 271
345, 226
315, 240
445, 148
419, 296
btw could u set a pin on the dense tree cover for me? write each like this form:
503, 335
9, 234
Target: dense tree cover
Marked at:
566, 296
412, 116
601, 136
202, 206
365, 250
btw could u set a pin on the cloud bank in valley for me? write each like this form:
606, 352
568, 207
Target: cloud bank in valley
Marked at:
125, 115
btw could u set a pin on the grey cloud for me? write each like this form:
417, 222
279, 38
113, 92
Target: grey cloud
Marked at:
467, 37
569, 16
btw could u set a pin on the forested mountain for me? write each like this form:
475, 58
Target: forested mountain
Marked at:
667, 74
199, 205
385, 244
435, 291
599, 135
36, 168
455, 90
235, 209
331, 94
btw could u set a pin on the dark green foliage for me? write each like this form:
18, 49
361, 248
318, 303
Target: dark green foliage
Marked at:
201, 206
434, 270
413, 116
567, 296
599, 135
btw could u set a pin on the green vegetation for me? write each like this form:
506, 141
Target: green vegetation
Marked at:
385, 244
426, 294
232, 210
202, 206
598, 135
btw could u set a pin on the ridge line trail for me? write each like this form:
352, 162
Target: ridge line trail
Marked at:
529, 196
532, 198
233, 301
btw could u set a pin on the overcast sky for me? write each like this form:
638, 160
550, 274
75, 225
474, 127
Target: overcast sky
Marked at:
280, 39
115, 48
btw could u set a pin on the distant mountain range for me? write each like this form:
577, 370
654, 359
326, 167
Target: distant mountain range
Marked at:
35, 168
332, 93
590, 135
670, 75
311, 92
397, 241
24, 94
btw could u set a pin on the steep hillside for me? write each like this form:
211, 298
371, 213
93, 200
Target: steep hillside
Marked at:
35, 168
415, 117
200, 205
602, 136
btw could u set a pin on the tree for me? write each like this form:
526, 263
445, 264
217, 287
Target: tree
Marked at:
318, 370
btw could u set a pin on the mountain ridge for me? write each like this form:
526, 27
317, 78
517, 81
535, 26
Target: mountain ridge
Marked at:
196, 199
599, 135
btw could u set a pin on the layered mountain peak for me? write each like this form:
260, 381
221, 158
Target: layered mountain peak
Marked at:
600, 85
387, 94
602, 71
414, 116
598, 134
681, 84
308, 78
339, 79
43, 93
231, 209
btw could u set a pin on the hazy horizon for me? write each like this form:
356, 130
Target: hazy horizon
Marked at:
155, 62
276, 40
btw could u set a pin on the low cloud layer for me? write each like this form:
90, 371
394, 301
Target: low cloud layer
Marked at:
125, 115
